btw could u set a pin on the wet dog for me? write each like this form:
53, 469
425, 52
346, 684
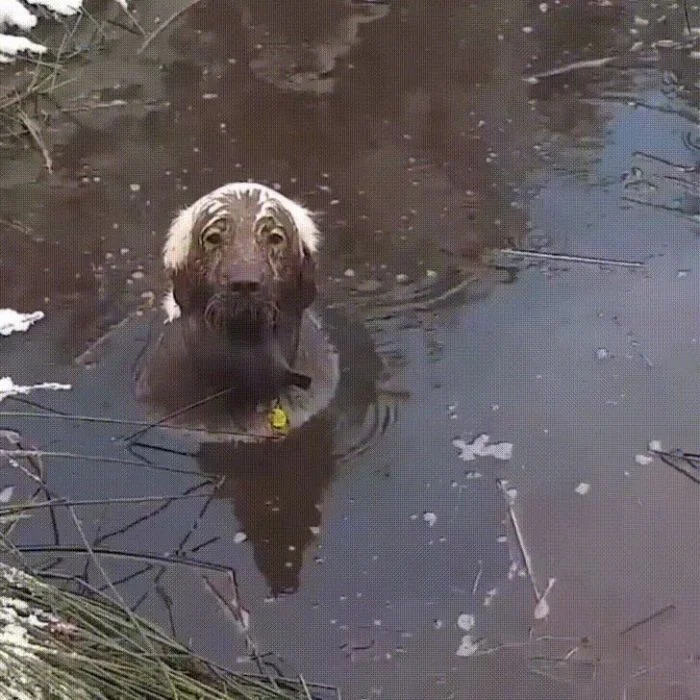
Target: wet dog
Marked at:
242, 274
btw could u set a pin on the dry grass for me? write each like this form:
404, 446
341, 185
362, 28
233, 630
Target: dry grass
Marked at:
27, 96
70, 646
88, 643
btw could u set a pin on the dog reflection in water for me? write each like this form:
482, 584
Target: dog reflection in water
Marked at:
239, 338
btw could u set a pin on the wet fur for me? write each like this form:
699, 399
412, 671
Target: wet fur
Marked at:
238, 340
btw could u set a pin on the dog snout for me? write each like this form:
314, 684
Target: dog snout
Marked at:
244, 279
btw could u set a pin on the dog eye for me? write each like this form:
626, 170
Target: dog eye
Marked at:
211, 240
213, 236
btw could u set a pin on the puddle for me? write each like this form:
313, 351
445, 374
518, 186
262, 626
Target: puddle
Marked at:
377, 534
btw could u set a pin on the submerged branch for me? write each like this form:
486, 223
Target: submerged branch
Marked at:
568, 258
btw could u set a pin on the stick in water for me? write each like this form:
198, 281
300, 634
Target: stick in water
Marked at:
568, 258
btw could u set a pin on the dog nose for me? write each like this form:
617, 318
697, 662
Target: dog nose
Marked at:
243, 278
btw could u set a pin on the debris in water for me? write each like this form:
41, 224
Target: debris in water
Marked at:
519, 538
542, 607
513, 570
467, 647
560, 256
602, 354
6, 494
479, 448
509, 492
430, 518
12, 321
643, 459
473, 475
240, 537
488, 598
9, 388
466, 622
662, 611
349, 272
582, 489
477, 578
224, 588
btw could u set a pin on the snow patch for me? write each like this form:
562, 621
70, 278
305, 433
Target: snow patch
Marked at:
479, 447
467, 647
60, 7
9, 388
14, 14
11, 320
466, 622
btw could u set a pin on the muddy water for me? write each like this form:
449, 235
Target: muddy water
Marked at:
424, 138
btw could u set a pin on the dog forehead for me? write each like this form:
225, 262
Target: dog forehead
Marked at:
242, 212
245, 201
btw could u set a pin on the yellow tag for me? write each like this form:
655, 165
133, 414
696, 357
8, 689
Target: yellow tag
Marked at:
279, 420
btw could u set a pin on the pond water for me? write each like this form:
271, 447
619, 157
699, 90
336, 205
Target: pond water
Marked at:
369, 552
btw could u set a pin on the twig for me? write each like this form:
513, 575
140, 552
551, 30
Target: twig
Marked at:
120, 554
29, 454
148, 642
570, 67
520, 539
305, 687
181, 545
98, 501
35, 132
667, 458
177, 413
163, 25
664, 161
161, 421
686, 14
145, 517
119, 421
649, 618
477, 578
663, 207
68, 455
131, 16
568, 258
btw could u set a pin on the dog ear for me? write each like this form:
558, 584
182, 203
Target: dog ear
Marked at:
307, 279
184, 291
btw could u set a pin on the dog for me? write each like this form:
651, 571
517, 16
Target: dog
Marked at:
241, 266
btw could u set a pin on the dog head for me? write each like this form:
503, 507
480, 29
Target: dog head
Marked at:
240, 256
